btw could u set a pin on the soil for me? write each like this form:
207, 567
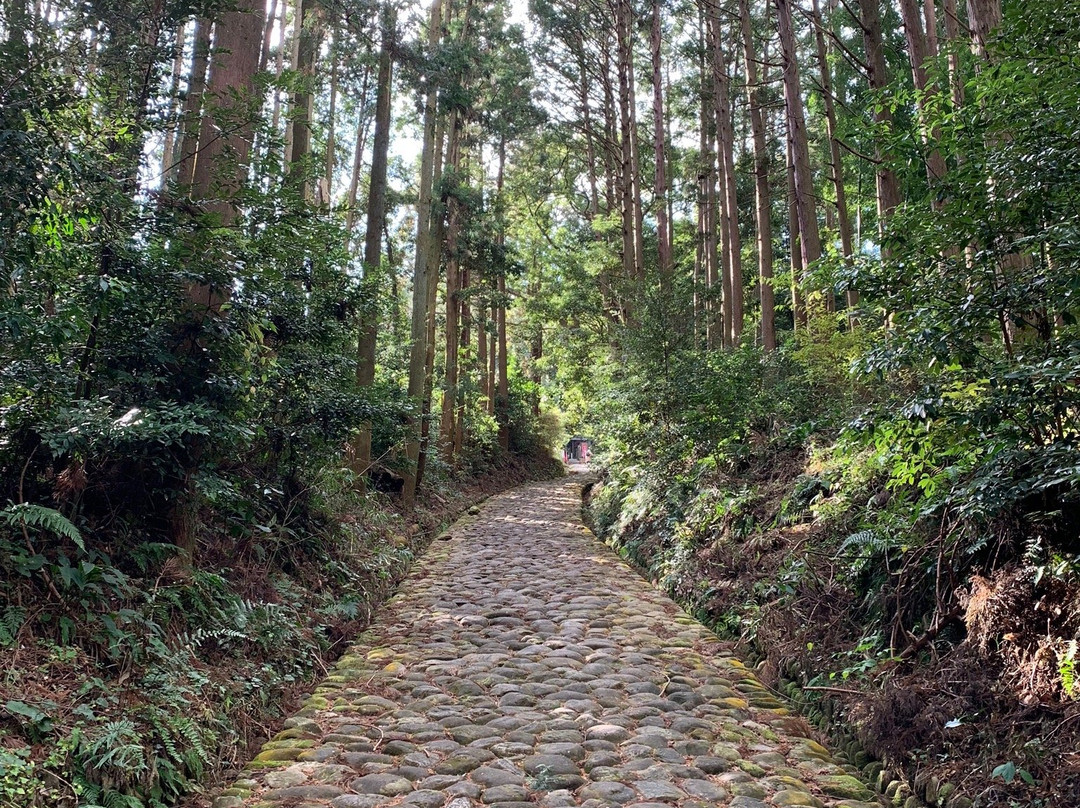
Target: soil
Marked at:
972, 695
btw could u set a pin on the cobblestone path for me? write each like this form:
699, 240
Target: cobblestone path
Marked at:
524, 665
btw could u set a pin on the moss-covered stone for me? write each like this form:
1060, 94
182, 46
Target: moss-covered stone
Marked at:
845, 786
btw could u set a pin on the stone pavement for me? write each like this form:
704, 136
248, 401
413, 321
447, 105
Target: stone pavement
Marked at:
524, 665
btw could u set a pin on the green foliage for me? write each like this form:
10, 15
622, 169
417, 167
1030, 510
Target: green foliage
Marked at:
49, 519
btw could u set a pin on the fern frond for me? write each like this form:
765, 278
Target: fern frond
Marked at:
29, 515
11, 621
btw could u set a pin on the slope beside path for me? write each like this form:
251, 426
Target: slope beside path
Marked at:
524, 664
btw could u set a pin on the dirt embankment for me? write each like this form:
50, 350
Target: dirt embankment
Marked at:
954, 674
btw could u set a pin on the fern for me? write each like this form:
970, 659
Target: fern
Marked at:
26, 514
863, 546
1067, 669
116, 799
11, 621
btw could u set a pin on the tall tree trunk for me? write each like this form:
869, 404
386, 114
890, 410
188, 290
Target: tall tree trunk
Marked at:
590, 138
762, 194
888, 190
983, 17
952, 34
809, 236
268, 34
798, 305
502, 394
359, 145
447, 425
729, 224
482, 354
627, 205
231, 108
436, 239
376, 221
638, 217
331, 135
611, 144
421, 275
298, 141
843, 218
663, 234
919, 55
168, 148
279, 67
184, 167
465, 319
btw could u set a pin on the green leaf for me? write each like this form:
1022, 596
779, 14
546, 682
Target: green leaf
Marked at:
29, 515
1006, 771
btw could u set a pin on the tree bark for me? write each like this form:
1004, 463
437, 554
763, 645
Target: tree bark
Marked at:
376, 221
502, 394
888, 191
627, 205
331, 135
168, 148
421, 275
983, 17
728, 210
762, 193
809, 236
231, 109
184, 168
835, 160
919, 55
298, 141
663, 234
798, 306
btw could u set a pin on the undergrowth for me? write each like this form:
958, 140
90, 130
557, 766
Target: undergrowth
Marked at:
136, 684
874, 552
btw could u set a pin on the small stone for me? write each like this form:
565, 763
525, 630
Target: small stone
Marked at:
712, 765
607, 732
330, 772
437, 782
490, 776
425, 799
845, 786
285, 778
541, 765
704, 790
277, 755
658, 791
598, 759
457, 764
302, 793
389, 785
769, 760
464, 788
746, 802
468, 733
358, 801
227, 802
751, 790
558, 799
506, 793
569, 750
608, 792
795, 798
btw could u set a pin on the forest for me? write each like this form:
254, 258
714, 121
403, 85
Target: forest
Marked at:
286, 285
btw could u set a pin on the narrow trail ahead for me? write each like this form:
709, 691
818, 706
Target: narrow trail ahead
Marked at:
523, 664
